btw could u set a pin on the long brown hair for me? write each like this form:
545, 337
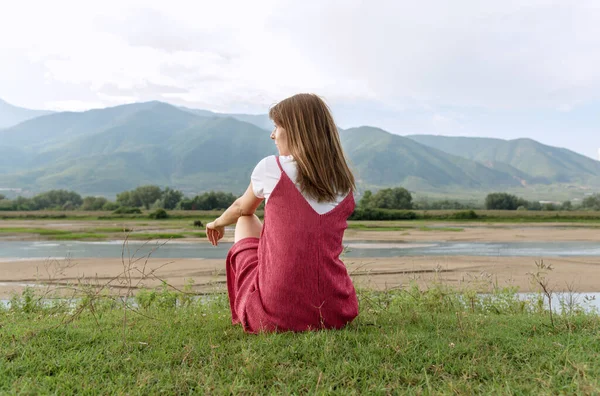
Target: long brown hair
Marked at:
314, 142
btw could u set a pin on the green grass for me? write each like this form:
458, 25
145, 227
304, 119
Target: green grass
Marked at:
59, 235
206, 216
74, 236
97, 234
157, 235
111, 229
200, 234
412, 341
39, 231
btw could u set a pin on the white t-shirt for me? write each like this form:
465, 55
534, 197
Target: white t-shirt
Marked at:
266, 175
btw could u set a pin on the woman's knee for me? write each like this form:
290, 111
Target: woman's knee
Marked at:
247, 226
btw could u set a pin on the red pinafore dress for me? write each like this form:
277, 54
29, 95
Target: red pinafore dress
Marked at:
291, 278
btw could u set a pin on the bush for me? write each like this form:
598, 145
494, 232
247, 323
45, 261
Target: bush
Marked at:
382, 214
109, 206
198, 223
464, 215
592, 202
159, 214
127, 210
503, 201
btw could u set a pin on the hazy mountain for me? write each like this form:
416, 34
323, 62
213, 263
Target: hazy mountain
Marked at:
260, 120
381, 158
12, 115
527, 159
110, 150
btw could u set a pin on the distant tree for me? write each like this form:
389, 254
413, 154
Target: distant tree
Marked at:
110, 206
367, 200
567, 205
2, 196
125, 199
592, 202
22, 203
57, 199
141, 196
146, 195
550, 207
504, 201
93, 203
392, 198
534, 205
186, 204
171, 198
439, 205
208, 201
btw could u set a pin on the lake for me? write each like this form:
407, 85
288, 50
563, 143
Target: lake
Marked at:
26, 250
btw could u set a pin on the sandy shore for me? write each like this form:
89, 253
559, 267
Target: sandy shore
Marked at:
578, 274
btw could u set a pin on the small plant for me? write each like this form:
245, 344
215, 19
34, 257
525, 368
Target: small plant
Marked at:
198, 223
159, 214
539, 278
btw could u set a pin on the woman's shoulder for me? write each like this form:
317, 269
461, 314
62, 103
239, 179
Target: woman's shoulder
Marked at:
271, 161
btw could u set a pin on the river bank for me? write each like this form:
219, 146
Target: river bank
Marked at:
568, 274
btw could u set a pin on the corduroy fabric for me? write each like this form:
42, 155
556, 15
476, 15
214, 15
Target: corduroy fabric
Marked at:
291, 278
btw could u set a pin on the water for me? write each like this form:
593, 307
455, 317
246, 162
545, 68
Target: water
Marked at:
27, 250
589, 302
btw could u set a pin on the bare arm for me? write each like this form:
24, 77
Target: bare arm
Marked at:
243, 206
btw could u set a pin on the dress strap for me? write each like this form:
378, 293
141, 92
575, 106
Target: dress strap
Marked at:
278, 163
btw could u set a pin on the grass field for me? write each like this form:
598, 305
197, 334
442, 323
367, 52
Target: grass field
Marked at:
428, 341
207, 216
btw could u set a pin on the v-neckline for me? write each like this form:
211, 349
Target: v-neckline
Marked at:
303, 198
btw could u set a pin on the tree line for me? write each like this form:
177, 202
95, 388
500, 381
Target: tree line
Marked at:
153, 197
148, 197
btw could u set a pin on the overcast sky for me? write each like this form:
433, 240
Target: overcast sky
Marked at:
503, 69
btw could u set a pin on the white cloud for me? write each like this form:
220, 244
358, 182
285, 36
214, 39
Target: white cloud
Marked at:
240, 54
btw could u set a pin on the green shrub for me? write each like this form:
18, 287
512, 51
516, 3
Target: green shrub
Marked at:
109, 206
159, 214
464, 215
382, 214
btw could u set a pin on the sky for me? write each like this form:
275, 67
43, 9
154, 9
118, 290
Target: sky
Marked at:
504, 69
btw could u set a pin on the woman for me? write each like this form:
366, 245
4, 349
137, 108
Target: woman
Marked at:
286, 275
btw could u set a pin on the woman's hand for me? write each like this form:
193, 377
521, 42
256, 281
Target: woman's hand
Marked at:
214, 232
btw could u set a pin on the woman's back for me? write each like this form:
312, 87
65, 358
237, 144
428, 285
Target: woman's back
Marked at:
302, 283
266, 175
286, 274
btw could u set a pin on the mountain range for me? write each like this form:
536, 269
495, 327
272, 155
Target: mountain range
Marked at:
106, 151
12, 115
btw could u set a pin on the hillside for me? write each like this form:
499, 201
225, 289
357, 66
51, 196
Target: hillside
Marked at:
110, 150
533, 162
382, 158
12, 115
106, 151
260, 120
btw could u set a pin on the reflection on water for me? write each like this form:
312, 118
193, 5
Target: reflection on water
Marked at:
19, 250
